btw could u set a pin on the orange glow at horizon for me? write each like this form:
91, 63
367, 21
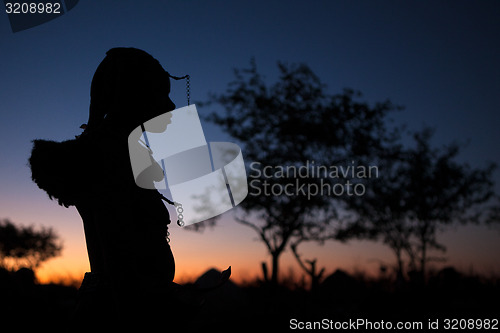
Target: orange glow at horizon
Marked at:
231, 244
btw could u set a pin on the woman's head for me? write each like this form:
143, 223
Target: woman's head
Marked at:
129, 87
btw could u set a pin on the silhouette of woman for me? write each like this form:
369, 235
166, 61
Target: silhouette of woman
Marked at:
132, 266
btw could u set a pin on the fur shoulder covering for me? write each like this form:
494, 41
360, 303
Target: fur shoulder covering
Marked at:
54, 168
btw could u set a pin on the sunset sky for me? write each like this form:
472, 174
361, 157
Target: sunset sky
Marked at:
439, 59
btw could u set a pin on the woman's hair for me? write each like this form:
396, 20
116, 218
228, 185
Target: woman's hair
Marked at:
124, 88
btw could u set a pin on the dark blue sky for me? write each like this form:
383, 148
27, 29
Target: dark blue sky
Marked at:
439, 59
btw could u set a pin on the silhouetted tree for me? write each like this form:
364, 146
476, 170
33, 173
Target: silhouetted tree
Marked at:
309, 266
420, 190
25, 246
294, 124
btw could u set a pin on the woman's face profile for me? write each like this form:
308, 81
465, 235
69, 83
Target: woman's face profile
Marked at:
159, 109
159, 124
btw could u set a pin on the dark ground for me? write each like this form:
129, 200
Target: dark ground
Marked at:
448, 294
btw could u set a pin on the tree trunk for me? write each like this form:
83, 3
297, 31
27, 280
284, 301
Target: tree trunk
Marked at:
400, 272
424, 239
274, 274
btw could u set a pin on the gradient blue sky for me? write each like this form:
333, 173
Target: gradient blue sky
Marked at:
439, 59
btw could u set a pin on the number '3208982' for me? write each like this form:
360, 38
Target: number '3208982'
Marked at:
33, 8
455, 324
